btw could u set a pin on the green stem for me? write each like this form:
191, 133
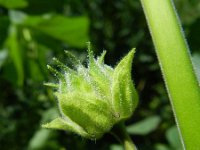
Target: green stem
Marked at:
174, 58
120, 133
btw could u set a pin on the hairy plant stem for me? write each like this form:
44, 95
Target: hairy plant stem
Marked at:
120, 133
175, 61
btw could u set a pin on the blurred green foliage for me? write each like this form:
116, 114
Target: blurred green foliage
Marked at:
34, 31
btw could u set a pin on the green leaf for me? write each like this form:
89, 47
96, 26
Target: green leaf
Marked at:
35, 70
17, 17
10, 4
3, 56
39, 139
42, 136
196, 63
172, 136
145, 126
72, 30
162, 147
124, 96
116, 147
12, 44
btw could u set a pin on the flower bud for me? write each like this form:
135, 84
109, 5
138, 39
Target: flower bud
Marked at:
93, 99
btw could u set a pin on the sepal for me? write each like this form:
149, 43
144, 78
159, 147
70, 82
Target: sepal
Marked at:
92, 114
124, 96
61, 124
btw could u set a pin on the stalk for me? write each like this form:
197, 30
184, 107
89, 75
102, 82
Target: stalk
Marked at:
175, 62
120, 133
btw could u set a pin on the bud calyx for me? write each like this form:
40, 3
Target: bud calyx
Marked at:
93, 99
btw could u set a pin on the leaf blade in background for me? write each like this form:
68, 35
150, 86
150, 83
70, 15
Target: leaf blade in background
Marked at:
145, 126
162, 147
196, 63
172, 136
10, 4
41, 138
72, 30
3, 57
116, 147
12, 44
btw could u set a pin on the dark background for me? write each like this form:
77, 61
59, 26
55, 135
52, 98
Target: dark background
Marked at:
32, 32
